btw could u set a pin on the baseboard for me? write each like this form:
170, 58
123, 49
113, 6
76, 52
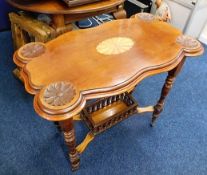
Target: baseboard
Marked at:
203, 39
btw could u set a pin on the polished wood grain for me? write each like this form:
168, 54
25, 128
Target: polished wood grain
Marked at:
69, 136
73, 3
107, 112
62, 16
96, 75
77, 67
58, 7
158, 108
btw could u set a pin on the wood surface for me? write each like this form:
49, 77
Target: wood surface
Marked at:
172, 74
66, 72
107, 112
73, 58
117, 11
73, 3
58, 7
69, 135
25, 29
36, 30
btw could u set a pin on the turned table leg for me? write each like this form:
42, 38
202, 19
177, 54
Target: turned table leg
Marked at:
58, 21
59, 25
69, 136
158, 108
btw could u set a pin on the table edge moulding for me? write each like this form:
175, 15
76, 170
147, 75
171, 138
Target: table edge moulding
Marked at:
63, 99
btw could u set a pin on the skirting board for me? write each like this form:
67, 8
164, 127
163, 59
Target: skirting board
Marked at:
203, 39
203, 35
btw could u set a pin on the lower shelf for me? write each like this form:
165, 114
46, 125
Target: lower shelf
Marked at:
107, 112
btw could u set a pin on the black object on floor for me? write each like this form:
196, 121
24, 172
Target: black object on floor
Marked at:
136, 6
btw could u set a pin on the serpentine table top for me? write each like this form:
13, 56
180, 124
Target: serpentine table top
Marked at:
104, 61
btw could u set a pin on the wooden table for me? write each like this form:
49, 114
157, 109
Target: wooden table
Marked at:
103, 63
26, 29
61, 14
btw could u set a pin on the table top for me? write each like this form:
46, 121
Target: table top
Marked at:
98, 62
58, 7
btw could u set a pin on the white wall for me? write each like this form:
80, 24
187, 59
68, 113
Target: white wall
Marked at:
198, 19
203, 36
180, 11
180, 14
189, 18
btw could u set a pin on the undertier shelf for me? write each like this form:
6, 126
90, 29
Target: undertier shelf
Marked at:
106, 112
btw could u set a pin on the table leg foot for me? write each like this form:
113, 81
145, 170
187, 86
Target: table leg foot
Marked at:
158, 108
75, 161
70, 140
152, 124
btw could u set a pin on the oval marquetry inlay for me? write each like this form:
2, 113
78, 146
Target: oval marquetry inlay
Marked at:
59, 93
146, 16
115, 45
32, 50
188, 42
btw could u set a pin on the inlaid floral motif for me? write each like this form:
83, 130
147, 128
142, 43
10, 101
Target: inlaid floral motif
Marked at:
59, 93
115, 45
188, 42
32, 50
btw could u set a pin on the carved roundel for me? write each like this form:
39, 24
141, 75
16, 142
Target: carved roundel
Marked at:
32, 50
59, 93
189, 43
115, 45
145, 16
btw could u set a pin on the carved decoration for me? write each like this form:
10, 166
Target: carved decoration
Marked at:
59, 94
145, 16
188, 42
115, 45
32, 50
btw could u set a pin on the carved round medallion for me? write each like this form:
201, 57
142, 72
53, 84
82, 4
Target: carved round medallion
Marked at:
145, 16
59, 93
115, 45
32, 50
188, 42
